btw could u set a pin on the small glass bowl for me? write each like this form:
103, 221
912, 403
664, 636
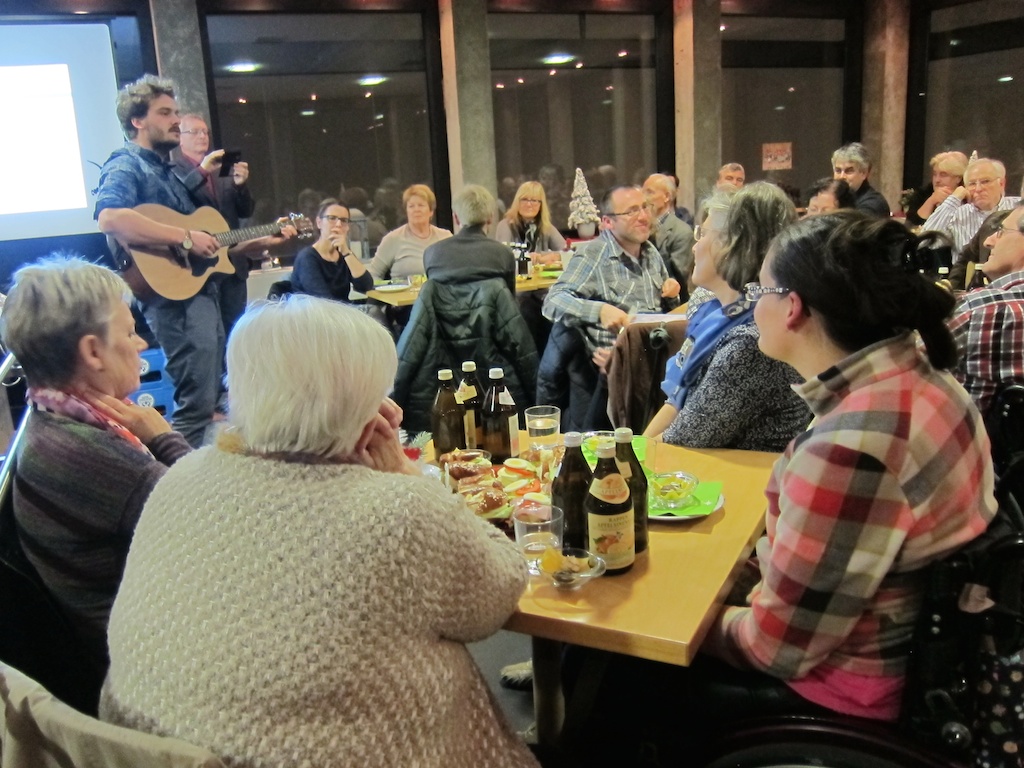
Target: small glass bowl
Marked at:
578, 567
672, 490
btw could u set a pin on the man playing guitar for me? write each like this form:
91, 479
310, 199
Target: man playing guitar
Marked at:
190, 331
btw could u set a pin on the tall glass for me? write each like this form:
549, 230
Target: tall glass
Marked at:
543, 426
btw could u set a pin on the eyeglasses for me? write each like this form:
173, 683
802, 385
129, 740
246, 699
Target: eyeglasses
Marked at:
339, 219
979, 183
533, 200
197, 132
753, 292
1004, 230
632, 213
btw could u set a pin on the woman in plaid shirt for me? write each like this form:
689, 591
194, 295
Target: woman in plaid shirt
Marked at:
893, 473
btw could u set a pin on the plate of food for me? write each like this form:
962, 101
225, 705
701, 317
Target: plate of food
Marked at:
391, 287
678, 496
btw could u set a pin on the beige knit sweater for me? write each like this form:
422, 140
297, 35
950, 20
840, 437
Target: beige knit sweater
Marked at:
295, 615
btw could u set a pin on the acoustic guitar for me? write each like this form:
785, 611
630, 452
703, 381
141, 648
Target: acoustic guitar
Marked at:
170, 272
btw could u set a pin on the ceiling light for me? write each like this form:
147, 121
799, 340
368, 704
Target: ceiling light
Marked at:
80, 13
791, 89
579, 65
239, 67
558, 58
520, 80
623, 54
378, 117
954, 42
553, 71
722, 27
242, 100
308, 112
499, 85
609, 87
780, 108
368, 94
372, 79
1006, 79
312, 97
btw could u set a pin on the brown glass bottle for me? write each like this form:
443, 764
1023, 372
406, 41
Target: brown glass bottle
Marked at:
471, 395
633, 471
501, 419
569, 491
609, 507
446, 417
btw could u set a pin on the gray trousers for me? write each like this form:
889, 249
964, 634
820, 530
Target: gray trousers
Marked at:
191, 334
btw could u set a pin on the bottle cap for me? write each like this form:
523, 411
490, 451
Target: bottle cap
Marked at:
573, 439
469, 366
445, 374
606, 450
623, 435
496, 373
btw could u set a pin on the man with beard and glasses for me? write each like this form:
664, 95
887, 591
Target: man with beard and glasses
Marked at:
190, 331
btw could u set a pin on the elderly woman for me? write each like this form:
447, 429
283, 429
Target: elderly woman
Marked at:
723, 392
529, 222
328, 268
828, 195
298, 593
89, 458
400, 253
947, 174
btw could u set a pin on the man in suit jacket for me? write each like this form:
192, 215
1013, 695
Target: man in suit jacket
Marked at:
228, 194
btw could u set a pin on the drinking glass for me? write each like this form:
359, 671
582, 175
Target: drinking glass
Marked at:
542, 425
538, 528
416, 281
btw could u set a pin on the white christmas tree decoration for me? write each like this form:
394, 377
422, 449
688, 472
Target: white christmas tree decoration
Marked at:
581, 207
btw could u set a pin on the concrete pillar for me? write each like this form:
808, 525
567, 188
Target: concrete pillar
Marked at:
697, 60
884, 100
466, 75
179, 53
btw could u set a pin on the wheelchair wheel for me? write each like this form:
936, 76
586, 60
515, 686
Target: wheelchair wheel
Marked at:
804, 742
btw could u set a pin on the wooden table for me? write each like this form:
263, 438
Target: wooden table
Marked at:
408, 296
662, 609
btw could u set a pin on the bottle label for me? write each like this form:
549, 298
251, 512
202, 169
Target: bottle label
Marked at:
513, 434
612, 537
469, 426
624, 469
610, 488
465, 392
505, 398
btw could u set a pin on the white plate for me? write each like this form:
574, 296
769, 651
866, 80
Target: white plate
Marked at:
392, 288
692, 513
431, 470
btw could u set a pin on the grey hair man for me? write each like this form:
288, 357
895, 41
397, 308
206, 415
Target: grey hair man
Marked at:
671, 235
852, 163
961, 215
470, 254
731, 174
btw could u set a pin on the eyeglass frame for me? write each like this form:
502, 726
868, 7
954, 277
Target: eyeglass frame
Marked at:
754, 292
981, 182
198, 132
530, 200
632, 214
1003, 228
332, 218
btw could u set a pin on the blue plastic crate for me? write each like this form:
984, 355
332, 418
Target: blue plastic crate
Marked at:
153, 369
161, 398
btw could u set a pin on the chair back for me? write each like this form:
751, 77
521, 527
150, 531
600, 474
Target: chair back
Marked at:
637, 369
41, 731
1005, 424
35, 635
280, 289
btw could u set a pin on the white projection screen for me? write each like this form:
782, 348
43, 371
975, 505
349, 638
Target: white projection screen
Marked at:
57, 88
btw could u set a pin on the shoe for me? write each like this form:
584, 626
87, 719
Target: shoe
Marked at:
517, 677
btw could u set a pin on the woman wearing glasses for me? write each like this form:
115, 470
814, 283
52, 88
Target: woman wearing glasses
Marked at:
723, 392
528, 221
328, 268
893, 474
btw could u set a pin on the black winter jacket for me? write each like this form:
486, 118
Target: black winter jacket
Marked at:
455, 322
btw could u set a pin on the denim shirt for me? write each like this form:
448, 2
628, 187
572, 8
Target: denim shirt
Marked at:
134, 175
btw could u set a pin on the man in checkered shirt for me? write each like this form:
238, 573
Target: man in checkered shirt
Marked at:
988, 324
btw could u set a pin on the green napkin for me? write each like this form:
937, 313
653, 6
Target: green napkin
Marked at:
639, 448
551, 273
705, 500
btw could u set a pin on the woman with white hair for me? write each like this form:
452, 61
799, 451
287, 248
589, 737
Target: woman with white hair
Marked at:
88, 458
947, 174
298, 593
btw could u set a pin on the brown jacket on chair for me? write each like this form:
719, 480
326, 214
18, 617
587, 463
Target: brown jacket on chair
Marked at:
636, 370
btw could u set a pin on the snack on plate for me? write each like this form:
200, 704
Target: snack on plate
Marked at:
553, 562
473, 455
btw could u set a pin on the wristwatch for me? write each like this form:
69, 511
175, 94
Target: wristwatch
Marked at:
186, 244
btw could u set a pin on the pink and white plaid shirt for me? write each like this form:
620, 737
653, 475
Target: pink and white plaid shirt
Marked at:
893, 473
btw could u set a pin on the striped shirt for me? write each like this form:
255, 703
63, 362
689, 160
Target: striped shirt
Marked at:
960, 220
988, 326
602, 273
893, 473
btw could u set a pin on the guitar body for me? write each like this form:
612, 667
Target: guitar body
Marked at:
161, 271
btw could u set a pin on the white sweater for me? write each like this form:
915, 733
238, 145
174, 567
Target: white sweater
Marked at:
285, 614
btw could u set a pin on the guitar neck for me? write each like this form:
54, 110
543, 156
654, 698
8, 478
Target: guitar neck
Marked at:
235, 236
